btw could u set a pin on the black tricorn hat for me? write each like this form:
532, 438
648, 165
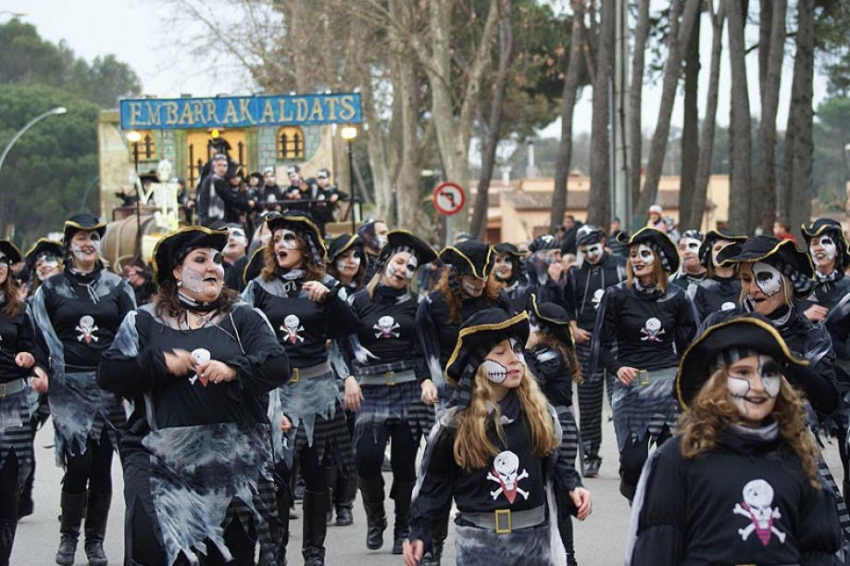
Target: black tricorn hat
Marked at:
478, 334
833, 228
404, 241
731, 339
10, 251
342, 243
43, 246
659, 242
170, 251
544, 242
82, 221
302, 224
588, 235
710, 238
507, 249
552, 319
470, 258
784, 255
254, 266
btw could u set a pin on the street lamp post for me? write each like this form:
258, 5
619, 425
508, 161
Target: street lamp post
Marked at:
134, 138
53, 111
348, 133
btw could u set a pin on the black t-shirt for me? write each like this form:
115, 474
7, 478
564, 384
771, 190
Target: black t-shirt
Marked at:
15, 336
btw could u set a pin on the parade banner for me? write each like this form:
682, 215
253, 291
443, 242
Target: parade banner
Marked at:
240, 111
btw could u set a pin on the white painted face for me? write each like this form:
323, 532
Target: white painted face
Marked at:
823, 250
767, 278
85, 245
689, 248
400, 269
753, 383
287, 239
201, 274
642, 260
592, 253
503, 268
505, 360
716, 249
471, 286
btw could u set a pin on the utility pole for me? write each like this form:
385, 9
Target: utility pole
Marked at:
621, 205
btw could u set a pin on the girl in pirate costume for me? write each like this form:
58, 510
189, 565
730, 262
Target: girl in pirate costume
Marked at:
78, 313
197, 365
692, 271
465, 287
642, 327
508, 270
551, 356
306, 308
384, 391
347, 264
16, 362
830, 305
739, 483
44, 259
721, 288
496, 453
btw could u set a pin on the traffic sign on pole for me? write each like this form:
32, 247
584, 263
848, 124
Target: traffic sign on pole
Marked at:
449, 198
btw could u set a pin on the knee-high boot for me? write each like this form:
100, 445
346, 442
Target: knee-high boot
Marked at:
96, 518
315, 504
401, 493
283, 498
7, 539
372, 491
73, 506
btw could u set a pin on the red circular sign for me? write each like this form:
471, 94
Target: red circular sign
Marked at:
449, 198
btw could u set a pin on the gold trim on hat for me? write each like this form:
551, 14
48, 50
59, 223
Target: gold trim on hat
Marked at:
176, 233
469, 261
514, 320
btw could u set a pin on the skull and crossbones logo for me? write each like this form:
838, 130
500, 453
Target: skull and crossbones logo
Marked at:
597, 297
86, 329
652, 331
291, 327
758, 497
506, 470
386, 327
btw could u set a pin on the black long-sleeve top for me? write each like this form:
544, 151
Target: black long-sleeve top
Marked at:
703, 510
135, 367
586, 285
642, 330
716, 294
553, 373
15, 336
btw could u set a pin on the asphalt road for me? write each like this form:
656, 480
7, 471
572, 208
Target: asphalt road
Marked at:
600, 541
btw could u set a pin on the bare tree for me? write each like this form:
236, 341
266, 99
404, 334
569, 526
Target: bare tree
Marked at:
635, 97
690, 132
710, 121
739, 126
599, 203
679, 37
763, 194
578, 47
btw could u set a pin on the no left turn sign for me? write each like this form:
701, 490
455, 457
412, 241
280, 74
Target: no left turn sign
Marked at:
449, 198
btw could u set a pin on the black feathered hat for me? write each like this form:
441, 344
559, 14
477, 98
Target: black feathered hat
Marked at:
832, 228
81, 221
710, 238
659, 242
478, 334
784, 255
469, 258
342, 243
551, 319
724, 343
172, 249
588, 235
42, 247
10, 252
404, 241
302, 224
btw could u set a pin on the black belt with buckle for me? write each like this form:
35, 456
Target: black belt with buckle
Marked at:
389, 378
12, 387
505, 521
297, 374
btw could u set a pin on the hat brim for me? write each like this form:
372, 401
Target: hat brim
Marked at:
71, 227
301, 223
465, 265
405, 240
657, 237
695, 367
167, 250
11, 251
335, 250
254, 266
44, 245
785, 250
490, 334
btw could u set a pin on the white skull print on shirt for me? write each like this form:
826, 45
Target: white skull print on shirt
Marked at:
202, 356
506, 473
757, 506
386, 327
652, 331
291, 328
86, 329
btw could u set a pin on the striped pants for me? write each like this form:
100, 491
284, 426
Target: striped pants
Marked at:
590, 402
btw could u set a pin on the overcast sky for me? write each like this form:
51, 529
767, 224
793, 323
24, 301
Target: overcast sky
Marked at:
136, 33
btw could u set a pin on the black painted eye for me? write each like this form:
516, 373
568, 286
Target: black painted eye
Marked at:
764, 277
217, 259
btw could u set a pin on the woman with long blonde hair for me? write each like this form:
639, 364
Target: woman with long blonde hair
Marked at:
739, 482
496, 453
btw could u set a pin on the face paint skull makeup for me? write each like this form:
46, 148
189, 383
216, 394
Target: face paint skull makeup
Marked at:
287, 238
739, 382
768, 278
716, 249
471, 287
496, 372
823, 249
592, 253
692, 245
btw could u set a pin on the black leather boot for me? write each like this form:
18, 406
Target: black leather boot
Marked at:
73, 506
96, 518
372, 491
280, 535
344, 494
316, 505
401, 494
440, 532
7, 539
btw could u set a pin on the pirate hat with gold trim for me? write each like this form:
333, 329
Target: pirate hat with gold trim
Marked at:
712, 237
82, 221
784, 255
42, 247
10, 252
254, 266
343, 243
470, 258
172, 249
404, 241
551, 319
832, 228
302, 224
724, 343
659, 242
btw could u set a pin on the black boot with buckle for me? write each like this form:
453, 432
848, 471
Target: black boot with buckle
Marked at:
372, 491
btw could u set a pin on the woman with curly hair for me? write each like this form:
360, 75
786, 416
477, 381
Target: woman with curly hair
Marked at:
739, 483
496, 453
306, 308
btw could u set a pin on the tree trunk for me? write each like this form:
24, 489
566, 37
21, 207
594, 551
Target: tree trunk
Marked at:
799, 147
679, 38
709, 123
635, 96
478, 226
599, 204
578, 44
690, 133
739, 126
